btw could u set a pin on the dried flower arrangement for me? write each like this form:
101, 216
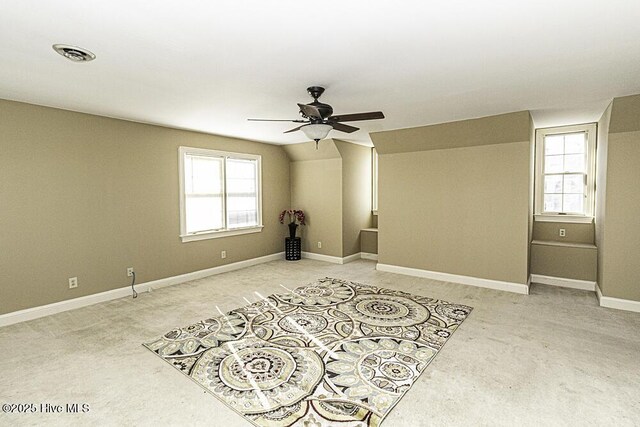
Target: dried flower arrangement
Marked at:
295, 216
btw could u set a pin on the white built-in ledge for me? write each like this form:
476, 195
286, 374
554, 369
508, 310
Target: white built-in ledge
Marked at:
563, 244
374, 230
564, 218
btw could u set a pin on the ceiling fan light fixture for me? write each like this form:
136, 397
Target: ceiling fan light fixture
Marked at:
316, 131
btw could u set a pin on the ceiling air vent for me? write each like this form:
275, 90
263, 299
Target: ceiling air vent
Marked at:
74, 53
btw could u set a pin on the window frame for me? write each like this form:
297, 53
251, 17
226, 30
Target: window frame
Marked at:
225, 232
587, 217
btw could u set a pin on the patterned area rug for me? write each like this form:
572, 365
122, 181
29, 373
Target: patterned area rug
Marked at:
333, 351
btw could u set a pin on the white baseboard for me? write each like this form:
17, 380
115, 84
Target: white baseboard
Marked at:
58, 307
338, 260
519, 288
367, 255
584, 285
617, 303
320, 257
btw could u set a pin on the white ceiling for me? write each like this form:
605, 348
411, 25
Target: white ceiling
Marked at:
210, 65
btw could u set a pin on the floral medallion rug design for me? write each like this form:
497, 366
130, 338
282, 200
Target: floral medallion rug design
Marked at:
333, 351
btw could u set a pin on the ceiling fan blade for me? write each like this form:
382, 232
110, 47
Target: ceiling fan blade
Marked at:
276, 120
357, 117
293, 130
343, 128
310, 111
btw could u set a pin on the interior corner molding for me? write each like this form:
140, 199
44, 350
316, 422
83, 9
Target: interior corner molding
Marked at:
367, 255
59, 307
617, 303
519, 288
352, 258
585, 285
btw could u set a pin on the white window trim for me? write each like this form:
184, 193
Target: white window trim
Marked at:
541, 216
215, 234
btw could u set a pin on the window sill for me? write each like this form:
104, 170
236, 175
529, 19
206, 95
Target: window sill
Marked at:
564, 218
375, 212
219, 234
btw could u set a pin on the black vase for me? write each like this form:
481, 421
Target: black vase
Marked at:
292, 229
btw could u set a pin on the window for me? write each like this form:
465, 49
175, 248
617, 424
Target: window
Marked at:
219, 194
565, 159
374, 181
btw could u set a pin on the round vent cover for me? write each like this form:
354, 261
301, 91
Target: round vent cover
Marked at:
74, 53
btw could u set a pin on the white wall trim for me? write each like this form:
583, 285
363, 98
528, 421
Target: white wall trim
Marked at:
519, 288
58, 307
320, 257
617, 303
367, 255
338, 260
584, 285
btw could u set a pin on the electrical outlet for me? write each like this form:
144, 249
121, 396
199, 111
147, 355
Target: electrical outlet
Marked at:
563, 232
319, 245
129, 271
73, 282
223, 254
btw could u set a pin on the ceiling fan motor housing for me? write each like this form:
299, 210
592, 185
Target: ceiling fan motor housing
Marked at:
325, 110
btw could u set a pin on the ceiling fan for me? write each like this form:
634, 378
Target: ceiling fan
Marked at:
318, 118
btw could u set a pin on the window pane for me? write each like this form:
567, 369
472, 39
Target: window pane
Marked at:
203, 174
553, 164
242, 196
572, 203
553, 202
204, 213
573, 184
574, 163
553, 184
553, 144
575, 143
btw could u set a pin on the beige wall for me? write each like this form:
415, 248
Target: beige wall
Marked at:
462, 210
316, 188
333, 186
618, 200
620, 265
510, 127
601, 189
88, 196
356, 194
621, 275
576, 262
369, 241
574, 232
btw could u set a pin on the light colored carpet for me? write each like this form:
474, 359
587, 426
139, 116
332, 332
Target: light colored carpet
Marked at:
332, 351
551, 358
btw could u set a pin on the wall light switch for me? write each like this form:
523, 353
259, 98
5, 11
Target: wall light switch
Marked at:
563, 232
